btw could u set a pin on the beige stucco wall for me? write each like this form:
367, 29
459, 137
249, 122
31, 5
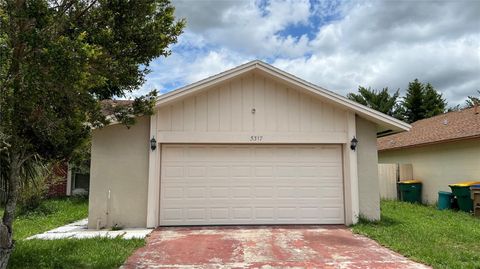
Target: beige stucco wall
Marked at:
368, 187
119, 164
439, 165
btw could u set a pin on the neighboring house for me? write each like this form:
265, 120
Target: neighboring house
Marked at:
68, 181
64, 181
444, 149
251, 145
57, 184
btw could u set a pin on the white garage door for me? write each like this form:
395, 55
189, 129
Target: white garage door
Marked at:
251, 184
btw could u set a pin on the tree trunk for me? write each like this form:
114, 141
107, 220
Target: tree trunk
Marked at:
18, 23
6, 232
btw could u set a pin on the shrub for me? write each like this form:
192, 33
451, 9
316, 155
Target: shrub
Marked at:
34, 190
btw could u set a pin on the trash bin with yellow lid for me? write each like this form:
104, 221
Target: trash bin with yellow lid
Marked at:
461, 190
410, 191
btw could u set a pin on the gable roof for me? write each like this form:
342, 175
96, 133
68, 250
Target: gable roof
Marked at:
452, 126
385, 123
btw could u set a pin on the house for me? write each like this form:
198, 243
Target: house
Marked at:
65, 180
68, 180
251, 145
443, 149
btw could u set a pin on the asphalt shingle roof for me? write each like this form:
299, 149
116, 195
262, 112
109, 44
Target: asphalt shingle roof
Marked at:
463, 124
108, 105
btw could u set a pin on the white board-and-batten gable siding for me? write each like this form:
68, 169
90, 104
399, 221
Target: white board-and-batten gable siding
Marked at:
250, 107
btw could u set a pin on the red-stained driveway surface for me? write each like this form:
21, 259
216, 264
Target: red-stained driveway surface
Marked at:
264, 247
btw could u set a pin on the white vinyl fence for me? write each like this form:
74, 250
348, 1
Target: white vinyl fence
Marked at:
389, 174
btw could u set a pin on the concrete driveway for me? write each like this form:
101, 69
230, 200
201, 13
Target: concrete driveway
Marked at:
264, 247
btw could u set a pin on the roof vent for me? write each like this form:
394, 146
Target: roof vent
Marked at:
445, 122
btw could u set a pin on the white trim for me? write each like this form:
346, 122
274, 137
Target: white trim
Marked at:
244, 137
153, 195
352, 203
371, 114
68, 191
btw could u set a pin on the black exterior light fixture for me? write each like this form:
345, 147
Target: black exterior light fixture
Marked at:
353, 143
153, 143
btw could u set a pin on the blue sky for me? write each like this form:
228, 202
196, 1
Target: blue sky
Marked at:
338, 45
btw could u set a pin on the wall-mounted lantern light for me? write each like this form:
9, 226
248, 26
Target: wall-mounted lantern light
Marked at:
153, 143
353, 143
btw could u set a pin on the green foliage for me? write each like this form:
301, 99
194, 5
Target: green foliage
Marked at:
442, 239
433, 102
422, 101
31, 194
85, 253
50, 214
413, 102
473, 100
469, 103
379, 100
141, 105
101, 253
79, 160
32, 184
59, 59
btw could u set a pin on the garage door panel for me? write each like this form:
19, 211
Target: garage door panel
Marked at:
174, 171
265, 213
219, 192
173, 193
245, 184
332, 213
196, 171
218, 171
221, 213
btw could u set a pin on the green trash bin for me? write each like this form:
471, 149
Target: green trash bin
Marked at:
444, 200
410, 191
462, 192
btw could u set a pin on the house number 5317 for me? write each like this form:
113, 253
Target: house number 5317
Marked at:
256, 138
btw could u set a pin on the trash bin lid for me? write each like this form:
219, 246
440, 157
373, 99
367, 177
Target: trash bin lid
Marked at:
445, 192
465, 184
412, 181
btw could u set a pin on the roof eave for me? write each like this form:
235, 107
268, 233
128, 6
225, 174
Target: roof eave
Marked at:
431, 143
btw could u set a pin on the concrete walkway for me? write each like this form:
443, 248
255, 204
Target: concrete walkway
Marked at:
78, 230
328, 246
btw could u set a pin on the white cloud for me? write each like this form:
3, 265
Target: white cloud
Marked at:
368, 43
184, 68
244, 27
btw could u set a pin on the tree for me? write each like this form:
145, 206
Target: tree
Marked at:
469, 103
413, 102
433, 102
473, 100
379, 100
59, 58
422, 101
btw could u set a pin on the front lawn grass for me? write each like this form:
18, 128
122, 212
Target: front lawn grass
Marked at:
65, 253
50, 214
442, 239
73, 253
